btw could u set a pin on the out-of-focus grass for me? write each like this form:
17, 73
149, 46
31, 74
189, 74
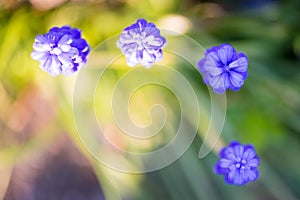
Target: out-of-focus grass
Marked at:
266, 112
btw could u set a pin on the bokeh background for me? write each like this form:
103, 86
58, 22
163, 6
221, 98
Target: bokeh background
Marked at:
41, 156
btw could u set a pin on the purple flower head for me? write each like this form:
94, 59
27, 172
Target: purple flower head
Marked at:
223, 68
60, 51
238, 163
141, 43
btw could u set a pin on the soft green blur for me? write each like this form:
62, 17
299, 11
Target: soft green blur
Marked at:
36, 109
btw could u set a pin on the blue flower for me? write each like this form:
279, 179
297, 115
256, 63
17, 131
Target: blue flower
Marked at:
238, 163
223, 68
60, 51
141, 43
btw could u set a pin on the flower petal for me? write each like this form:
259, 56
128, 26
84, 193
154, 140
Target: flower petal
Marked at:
214, 71
249, 152
131, 60
44, 58
219, 83
65, 60
42, 47
66, 39
236, 79
214, 57
67, 71
36, 55
65, 47
229, 154
72, 53
235, 177
225, 163
253, 162
239, 65
251, 175
52, 65
158, 55
141, 24
41, 39
148, 59
226, 52
238, 150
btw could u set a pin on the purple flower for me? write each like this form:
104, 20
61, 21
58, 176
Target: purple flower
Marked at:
238, 164
223, 68
141, 43
60, 51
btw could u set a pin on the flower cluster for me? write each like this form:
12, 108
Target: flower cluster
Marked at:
223, 68
60, 51
238, 163
63, 51
141, 43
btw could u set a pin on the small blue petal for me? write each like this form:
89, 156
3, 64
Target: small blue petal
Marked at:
239, 65
219, 83
235, 177
237, 80
226, 53
65, 60
52, 65
41, 39
66, 39
37, 55
249, 153
238, 150
251, 174
229, 154
253, 162
225, 163
214, 57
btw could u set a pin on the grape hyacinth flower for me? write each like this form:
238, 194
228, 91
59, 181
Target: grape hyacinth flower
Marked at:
238, 163
223, 68
61, 50
141, 43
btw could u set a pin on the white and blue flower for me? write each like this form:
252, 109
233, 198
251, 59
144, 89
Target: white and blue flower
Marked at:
60, 51
141, 43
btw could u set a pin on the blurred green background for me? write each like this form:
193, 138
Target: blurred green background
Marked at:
41, 157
